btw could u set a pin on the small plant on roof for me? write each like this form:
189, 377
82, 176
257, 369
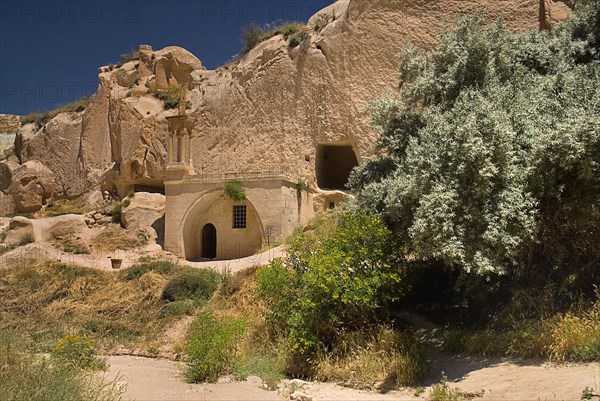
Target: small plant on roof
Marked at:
235, 191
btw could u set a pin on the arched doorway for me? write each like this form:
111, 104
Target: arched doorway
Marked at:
209, 241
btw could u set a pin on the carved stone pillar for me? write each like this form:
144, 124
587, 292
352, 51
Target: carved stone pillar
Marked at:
190, 152
170, 148
180, 147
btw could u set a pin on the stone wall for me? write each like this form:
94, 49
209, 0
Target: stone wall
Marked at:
274, 208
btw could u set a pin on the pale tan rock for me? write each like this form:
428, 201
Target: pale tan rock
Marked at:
94, 199
5, 176
18, 227
57, 146
556, 11
44, 229
32, 186
173, 65
268, 112
7, 204
144, 212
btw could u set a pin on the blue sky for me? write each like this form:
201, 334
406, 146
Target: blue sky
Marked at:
50, 50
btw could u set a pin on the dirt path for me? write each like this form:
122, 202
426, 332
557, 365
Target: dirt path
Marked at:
40, 251
155, 379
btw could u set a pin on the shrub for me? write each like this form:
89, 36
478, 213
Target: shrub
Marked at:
132, 55
196, 284
211, 346
254, 34
467, 177
78, 352
145, 265
301, 185
235, 191
295, 40
251, 36
337, 276
116, 211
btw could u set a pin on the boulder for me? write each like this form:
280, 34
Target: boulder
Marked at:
19, 227
145, 211
32, 186
94, 199
5, 176
45, 228
173, 65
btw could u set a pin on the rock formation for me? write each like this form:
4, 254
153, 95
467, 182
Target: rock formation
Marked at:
268, 112
32, 186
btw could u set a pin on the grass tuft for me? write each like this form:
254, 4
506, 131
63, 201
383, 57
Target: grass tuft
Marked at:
42, 118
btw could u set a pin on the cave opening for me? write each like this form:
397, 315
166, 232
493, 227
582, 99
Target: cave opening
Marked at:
333, 165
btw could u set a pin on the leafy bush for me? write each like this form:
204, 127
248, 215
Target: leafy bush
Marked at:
489, 159
251, 36
211, 346
235, 191
338, 276
116, 211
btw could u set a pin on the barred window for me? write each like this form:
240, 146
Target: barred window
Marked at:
239, 216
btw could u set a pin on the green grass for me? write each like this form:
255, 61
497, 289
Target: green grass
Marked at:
25, 375
212, 346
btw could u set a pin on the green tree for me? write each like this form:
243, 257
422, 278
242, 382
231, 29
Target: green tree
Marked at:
490, 157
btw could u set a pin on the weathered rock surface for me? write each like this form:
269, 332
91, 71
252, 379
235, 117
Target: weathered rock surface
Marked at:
32, 186
145, 212
18, 227
268, 112
44, 229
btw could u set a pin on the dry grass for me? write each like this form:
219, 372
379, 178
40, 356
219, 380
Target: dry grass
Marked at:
366, 360
61, 207
115, 237
69, 242
563, 337
52, 300
575, 336
42, 118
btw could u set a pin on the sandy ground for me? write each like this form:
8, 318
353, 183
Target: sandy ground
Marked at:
155, 379
40, 251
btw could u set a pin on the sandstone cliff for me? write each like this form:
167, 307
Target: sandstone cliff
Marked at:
268, 112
